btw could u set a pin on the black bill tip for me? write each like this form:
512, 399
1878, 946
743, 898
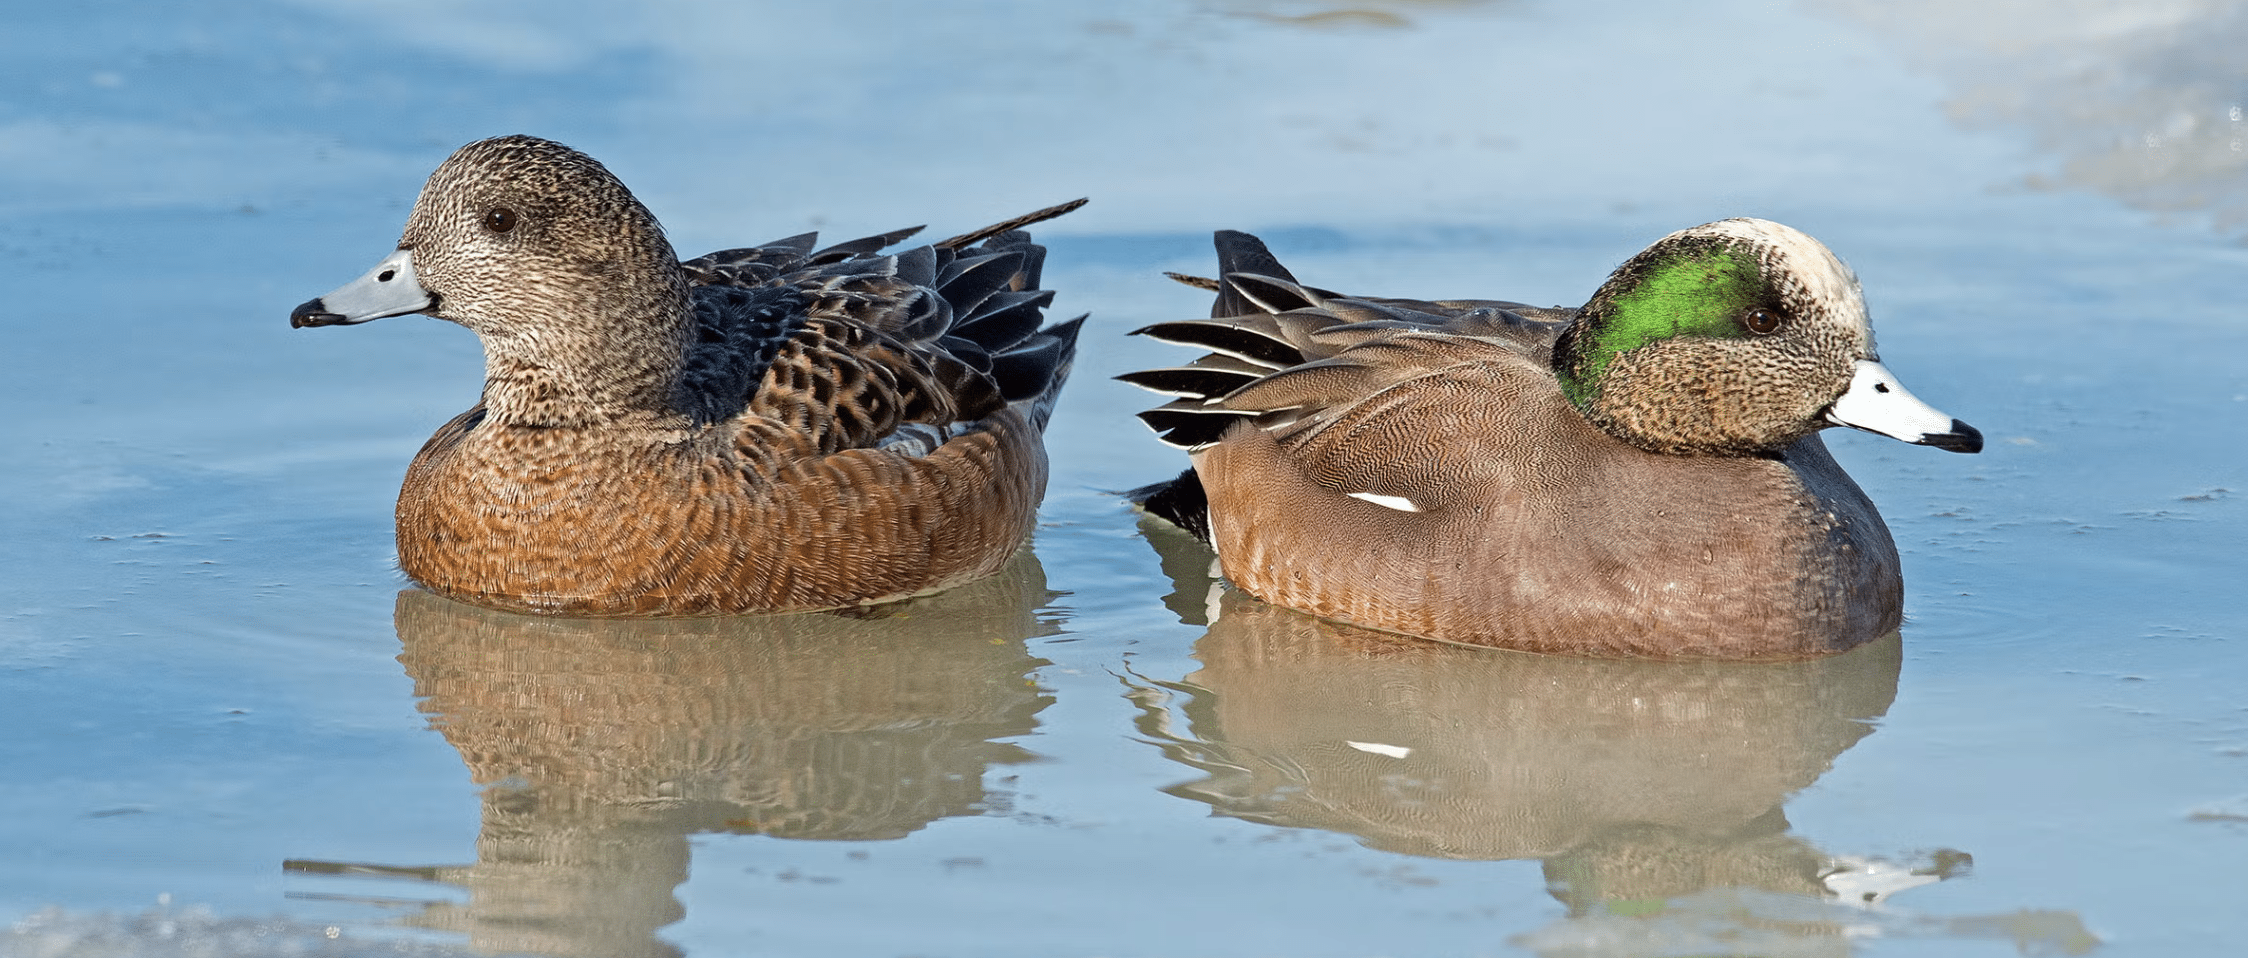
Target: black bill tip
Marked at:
315, 313
1961, 438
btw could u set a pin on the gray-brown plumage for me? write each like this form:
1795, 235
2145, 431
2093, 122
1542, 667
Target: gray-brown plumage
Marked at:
767, 429
1638, 477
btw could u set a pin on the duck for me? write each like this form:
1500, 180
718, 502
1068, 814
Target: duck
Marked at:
766, 429
1640, 476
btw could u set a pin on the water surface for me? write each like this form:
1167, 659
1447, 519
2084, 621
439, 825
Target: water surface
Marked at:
232, 727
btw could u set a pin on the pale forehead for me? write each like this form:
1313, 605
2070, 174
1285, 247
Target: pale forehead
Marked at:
1822, 274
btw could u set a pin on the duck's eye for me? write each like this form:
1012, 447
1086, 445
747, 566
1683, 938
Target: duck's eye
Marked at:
500, 220
1760, 320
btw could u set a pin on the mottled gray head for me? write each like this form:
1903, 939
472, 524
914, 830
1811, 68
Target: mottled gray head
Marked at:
507, 224
1736, 338
567, 279
514, 221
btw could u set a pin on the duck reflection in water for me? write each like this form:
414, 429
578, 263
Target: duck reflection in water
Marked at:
1648, 789
603, 744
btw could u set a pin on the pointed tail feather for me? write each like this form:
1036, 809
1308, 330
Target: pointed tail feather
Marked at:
1038, 216
1034, 372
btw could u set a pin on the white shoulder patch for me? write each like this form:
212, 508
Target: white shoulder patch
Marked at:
1399, 503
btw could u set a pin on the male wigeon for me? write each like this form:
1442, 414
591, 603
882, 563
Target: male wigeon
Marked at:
1640, 476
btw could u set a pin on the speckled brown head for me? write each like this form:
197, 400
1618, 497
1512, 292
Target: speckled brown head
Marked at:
1736, 338
513, 221
566, 278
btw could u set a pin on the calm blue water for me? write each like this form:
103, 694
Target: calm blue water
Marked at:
227, 729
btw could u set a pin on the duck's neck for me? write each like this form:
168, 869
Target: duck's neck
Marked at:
572, 374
